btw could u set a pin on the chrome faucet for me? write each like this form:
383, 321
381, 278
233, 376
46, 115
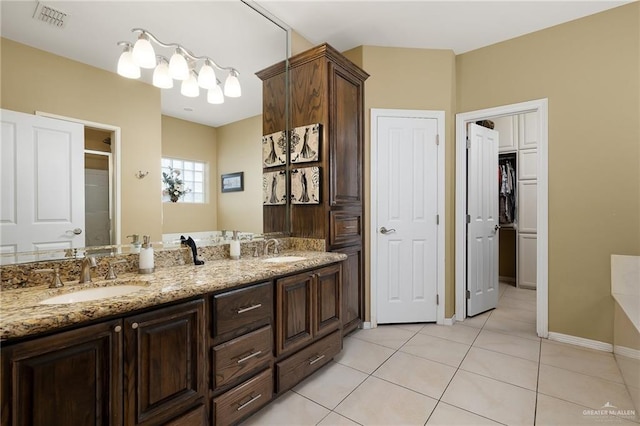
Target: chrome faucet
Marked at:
86, 265
275, 246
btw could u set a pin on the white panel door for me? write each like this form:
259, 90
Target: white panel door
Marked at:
527, 260
42, 183
407, 245
482, 231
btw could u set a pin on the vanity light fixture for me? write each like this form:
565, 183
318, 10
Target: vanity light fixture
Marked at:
182, 66
161, 76
215, 95
126, 67
189, 87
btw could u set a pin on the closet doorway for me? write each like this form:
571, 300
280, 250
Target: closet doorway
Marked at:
523, 145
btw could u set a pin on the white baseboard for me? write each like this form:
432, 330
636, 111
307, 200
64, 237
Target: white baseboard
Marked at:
450, 321
366, 325
580, 341
628, 352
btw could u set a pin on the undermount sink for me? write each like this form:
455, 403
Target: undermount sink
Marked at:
96, 293
284, 259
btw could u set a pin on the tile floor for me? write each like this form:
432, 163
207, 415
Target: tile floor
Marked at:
490, 369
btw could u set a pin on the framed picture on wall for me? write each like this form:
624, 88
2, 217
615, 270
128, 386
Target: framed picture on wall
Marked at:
274, 191
305, 185
274, 149
305, 144
233, 182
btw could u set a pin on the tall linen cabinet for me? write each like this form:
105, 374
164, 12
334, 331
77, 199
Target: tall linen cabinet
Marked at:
327, 89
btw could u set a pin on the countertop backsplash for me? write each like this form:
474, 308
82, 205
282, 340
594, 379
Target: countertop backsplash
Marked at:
22, 276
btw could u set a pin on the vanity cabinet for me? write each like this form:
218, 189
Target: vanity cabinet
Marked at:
146, 369
241, 352
326, 88
69, 378
164, 363
308, 309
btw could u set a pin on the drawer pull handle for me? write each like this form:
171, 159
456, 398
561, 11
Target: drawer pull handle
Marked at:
350, 227
316, 359
255, 398
248, 357
250, 308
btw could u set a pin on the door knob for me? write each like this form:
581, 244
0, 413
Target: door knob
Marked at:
386, 231
495, 228
77, 231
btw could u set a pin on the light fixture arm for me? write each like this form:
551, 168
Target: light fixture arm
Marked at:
184, 50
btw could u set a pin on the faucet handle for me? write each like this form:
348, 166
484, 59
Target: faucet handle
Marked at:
111, 273
56, 282
256, 253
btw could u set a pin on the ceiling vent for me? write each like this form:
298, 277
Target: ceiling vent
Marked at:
51, 16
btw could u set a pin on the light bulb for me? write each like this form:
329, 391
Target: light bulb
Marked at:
161, 77
143, 54
207, 76
232, 85
126, 66
178, 66
215, 96
189, 87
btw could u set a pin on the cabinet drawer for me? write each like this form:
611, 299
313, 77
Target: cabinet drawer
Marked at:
239, 311
295, 368
345, 228
243, 400
241, 356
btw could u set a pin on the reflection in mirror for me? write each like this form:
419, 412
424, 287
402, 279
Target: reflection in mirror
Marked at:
64, 73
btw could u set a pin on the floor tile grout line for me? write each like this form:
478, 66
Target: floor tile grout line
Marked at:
454, 374
371, 374
584, 374
535, 408
500, 381
503, 353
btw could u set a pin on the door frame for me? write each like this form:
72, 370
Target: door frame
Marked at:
542, 269
373, 214
116, 156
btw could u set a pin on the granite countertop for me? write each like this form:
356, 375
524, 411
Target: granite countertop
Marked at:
22, 315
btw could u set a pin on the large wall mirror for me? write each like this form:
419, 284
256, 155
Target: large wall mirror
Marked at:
132, 131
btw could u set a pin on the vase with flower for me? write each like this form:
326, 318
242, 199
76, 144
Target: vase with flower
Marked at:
174, 186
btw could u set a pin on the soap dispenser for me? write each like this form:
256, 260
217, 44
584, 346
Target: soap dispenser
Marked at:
145, 264
135, 243
234, 246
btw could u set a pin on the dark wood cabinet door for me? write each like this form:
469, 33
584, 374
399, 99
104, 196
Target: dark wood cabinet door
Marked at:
164, 363
71, 378
345, 138
294, 327
328, 290
352, 303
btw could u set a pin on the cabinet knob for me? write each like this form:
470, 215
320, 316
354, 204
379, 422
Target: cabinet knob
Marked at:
117, 329
134, 325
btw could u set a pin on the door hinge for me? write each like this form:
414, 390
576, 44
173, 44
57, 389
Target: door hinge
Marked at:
437, 299
437, 219
468, 294
468, 143
468, 218
437, 139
